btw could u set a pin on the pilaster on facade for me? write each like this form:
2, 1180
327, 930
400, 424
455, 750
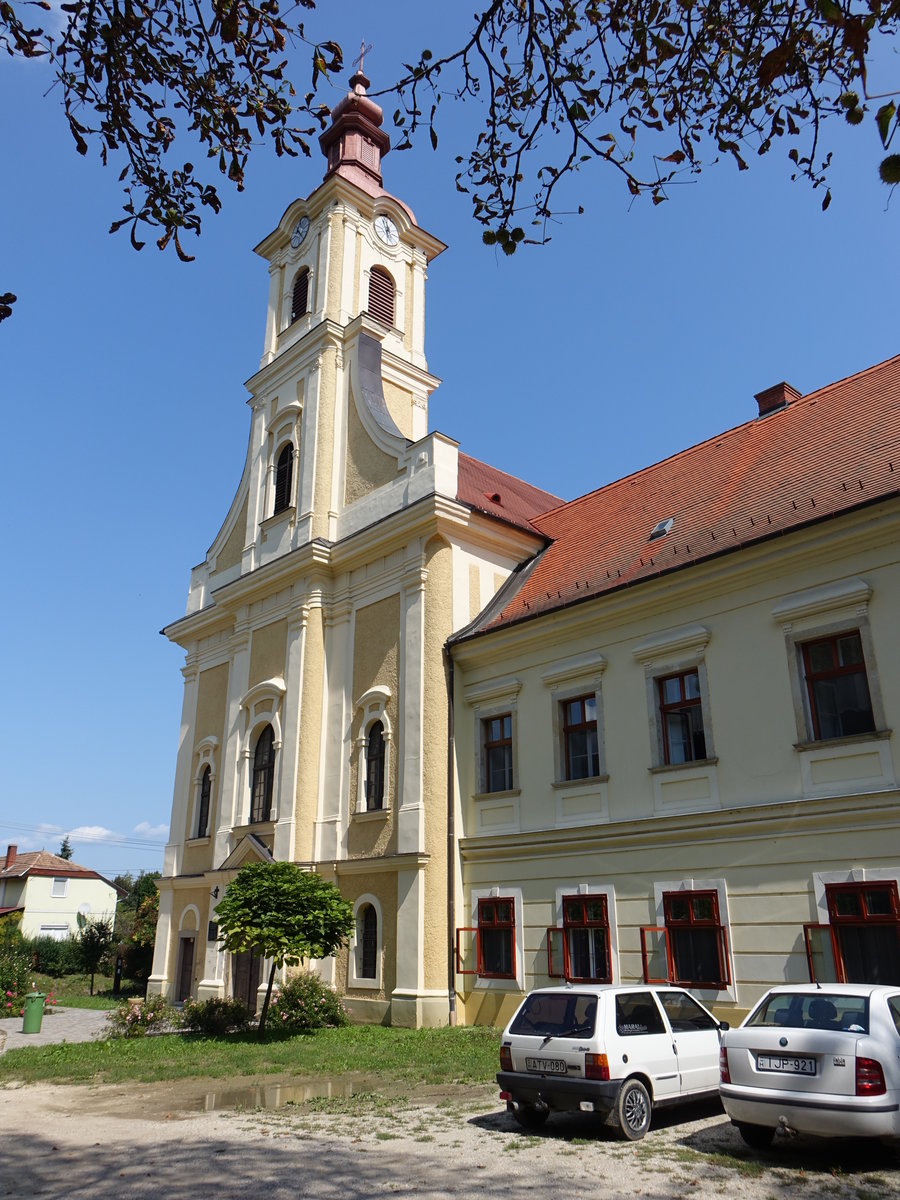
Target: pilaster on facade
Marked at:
230, 805
332, 804
182, 791
158, 983
411, 814
285, 825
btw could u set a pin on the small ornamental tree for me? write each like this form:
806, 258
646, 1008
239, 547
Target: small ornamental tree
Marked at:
65, 849
95, 940
283, 913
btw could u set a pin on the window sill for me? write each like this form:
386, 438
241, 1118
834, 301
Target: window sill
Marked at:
694, 764
853, 739
257, 828
371, 814
283, 515
588, 781
197, 841
497, 795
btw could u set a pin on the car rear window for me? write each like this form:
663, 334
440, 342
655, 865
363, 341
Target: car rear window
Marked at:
814, 1010
556, 1014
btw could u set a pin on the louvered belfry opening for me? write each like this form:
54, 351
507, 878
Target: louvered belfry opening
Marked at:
300, 298
283, 475
381, 296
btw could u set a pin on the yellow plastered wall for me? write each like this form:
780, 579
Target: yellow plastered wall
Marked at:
231, 552
399, 401
438, 627
268, 647
384, 888
367, 466
335, 266
376, 661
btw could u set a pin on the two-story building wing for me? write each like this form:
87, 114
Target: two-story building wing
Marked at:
47, 894
673, 727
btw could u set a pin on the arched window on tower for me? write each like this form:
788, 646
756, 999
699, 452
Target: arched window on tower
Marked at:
203, 814
381, 295
367, 942
263, 778
300, 295
375, 767
284, 473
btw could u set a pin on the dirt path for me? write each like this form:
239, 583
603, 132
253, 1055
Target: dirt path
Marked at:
153, 1140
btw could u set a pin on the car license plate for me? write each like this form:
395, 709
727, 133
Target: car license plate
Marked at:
788, 1065
547, 1066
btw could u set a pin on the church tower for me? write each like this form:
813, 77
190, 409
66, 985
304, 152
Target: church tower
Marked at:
315, 706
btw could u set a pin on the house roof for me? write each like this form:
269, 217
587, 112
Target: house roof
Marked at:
41, 862
825, 453
500, 495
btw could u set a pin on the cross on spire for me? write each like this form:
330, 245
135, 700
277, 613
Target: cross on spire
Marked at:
363, 51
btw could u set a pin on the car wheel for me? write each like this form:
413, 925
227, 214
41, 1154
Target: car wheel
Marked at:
632, 1111
758, 1136
530, 1117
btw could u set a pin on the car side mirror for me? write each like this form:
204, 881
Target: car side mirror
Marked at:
723, 1026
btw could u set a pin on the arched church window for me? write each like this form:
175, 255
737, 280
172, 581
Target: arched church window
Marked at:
284, 472
263, 778
367, 942
203, 814
375, 767
300, 295
381, 295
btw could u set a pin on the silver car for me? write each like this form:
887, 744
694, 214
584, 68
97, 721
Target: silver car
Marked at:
815, 1059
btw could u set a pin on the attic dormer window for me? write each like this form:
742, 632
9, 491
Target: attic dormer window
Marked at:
661, 529
284, 472
381, 295
300, 296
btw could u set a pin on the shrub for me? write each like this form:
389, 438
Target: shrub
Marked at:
15, 964
137, 1018
53, 957
215, 1017
306, 1003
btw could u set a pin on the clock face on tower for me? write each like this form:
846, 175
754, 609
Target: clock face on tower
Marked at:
387, 231
301, 229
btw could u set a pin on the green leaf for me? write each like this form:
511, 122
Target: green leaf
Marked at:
884, 116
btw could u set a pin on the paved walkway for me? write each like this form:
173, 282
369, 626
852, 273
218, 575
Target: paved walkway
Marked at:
62, 1025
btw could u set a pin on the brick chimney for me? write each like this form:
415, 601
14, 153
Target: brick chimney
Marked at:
775, 398
10, 856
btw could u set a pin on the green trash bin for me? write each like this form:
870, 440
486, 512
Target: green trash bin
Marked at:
34, 1011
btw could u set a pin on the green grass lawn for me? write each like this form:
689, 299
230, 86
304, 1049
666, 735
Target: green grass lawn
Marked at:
74, 991
463, 1054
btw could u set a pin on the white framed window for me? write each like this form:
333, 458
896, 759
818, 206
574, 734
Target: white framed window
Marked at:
690, 944
583, 946
203, 810
59, 887
260, 751
373, 747
59, 933
678, 702
364, 969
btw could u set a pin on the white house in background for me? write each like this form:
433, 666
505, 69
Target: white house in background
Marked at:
50, 892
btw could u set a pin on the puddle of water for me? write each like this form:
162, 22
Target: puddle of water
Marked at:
276, 1095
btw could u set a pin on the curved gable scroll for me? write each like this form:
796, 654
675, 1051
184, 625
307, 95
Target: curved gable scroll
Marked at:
368, 392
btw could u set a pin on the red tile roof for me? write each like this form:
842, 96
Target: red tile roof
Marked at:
500, 495
41, 862
825, 453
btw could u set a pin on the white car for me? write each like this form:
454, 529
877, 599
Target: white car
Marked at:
618, 1051
816, 1059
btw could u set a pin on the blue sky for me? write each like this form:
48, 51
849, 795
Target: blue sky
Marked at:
636, 332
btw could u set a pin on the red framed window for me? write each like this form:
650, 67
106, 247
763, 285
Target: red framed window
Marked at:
586, 952
580, 745
498, 762
681, 717
692, 947
861, 943
496, 949
837, 686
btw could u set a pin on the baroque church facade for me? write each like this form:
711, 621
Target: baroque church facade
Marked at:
646, 734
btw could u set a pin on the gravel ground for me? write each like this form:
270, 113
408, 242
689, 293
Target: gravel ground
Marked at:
144, 1141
